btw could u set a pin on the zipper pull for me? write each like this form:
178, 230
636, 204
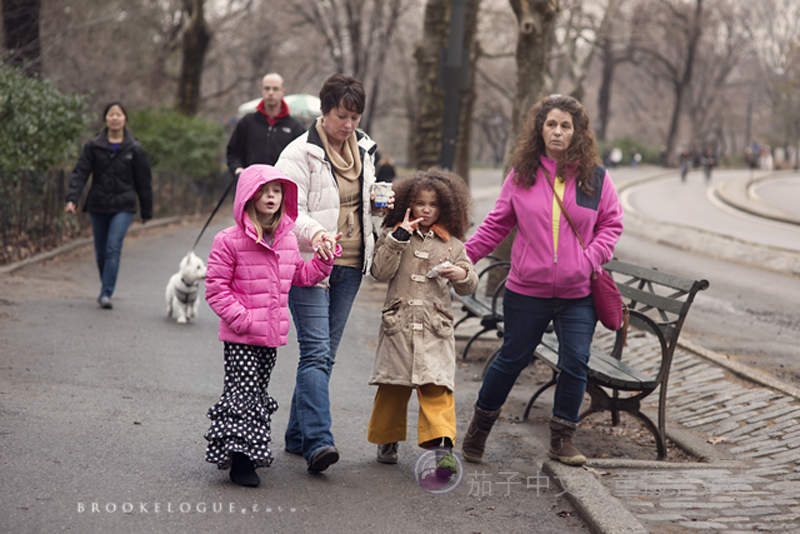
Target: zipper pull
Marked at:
555, 258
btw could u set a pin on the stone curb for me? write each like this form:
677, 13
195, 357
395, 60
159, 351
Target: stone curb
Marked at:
728, 248
602, 512
740, 194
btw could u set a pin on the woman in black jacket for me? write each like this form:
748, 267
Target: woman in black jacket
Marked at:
120, 173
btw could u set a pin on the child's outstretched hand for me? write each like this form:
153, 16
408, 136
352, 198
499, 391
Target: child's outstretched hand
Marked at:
410, 226
453, 272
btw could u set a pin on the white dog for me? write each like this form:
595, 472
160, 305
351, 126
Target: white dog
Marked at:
183, 289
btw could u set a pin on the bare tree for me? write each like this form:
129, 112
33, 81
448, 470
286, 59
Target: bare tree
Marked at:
775, 72
428, 129
195, 40
584, 28
666, 38
21, 29
357, 36
716, 61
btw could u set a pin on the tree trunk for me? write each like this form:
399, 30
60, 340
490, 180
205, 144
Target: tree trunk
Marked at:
463, 157
21, 29
604, 96
196, 37
428, 129
535, 19
427, 132
682, 84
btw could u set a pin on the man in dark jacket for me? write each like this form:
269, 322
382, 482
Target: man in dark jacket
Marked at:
261, 136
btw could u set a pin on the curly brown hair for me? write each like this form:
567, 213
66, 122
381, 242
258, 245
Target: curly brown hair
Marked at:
582, 150
452, 193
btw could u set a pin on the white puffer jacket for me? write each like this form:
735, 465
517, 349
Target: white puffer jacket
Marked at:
306, 163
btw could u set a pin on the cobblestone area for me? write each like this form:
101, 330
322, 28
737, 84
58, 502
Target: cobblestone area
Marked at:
757, 490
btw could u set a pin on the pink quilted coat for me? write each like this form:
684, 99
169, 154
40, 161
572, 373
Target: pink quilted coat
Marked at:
247, 283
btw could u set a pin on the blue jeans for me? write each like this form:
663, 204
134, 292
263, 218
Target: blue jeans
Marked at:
109, 230
319, 317
525, 321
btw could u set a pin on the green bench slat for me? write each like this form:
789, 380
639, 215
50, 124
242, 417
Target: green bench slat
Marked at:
608, 371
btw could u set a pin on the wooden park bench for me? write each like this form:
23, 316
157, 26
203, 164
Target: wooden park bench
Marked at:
486, 302
658, 304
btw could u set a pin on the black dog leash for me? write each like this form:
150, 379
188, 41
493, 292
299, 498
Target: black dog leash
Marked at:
225, 194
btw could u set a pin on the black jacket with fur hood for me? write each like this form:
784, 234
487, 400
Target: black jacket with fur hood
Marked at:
118, 176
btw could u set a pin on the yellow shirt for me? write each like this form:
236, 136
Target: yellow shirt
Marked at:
558, 189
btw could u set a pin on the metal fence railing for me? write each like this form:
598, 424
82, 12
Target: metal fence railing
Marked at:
32, 218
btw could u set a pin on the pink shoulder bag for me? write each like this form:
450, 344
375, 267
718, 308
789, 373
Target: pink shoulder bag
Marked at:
611, 311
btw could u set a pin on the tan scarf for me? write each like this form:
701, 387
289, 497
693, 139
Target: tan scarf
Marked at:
348, 164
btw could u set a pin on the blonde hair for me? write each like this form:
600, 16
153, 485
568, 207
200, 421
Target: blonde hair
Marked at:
262, 223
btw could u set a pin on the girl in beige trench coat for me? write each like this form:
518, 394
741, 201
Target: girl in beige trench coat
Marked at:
420, 253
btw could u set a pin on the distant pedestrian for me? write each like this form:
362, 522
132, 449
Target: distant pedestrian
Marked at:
416, 344
635, 157
616, 157
251, 267
261, 136
120, 173
386, 171
685, 163
708, 161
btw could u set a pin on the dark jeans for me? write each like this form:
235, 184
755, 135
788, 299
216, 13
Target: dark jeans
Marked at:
525, 321
109, 230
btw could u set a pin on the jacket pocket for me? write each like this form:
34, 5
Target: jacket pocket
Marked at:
441, 321
391, 318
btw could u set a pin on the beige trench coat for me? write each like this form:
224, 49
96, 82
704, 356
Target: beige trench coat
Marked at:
416, 343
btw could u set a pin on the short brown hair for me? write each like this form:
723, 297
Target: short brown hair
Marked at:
581, 152
452, 194
342, 90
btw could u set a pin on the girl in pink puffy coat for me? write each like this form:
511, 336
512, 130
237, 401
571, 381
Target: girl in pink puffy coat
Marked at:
251, 267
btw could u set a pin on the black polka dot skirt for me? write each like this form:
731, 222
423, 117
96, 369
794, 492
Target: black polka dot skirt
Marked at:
241, 418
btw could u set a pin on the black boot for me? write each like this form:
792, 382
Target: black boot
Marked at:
243, 472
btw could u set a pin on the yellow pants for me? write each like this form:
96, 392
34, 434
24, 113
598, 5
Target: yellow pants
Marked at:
437, 414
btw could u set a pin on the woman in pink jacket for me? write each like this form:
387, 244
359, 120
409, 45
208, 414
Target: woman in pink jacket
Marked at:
550, 270
251, 267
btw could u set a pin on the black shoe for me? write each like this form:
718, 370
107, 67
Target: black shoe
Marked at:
243, 472
387, 454
323, 459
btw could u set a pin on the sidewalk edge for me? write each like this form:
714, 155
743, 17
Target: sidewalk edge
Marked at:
602, 512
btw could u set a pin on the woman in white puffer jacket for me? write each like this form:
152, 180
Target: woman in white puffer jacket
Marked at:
334, 167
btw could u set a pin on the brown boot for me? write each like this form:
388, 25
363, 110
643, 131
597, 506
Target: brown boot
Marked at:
475, 440
561, 446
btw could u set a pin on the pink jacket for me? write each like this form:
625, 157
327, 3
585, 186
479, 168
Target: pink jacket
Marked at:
247, 283
535, 269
